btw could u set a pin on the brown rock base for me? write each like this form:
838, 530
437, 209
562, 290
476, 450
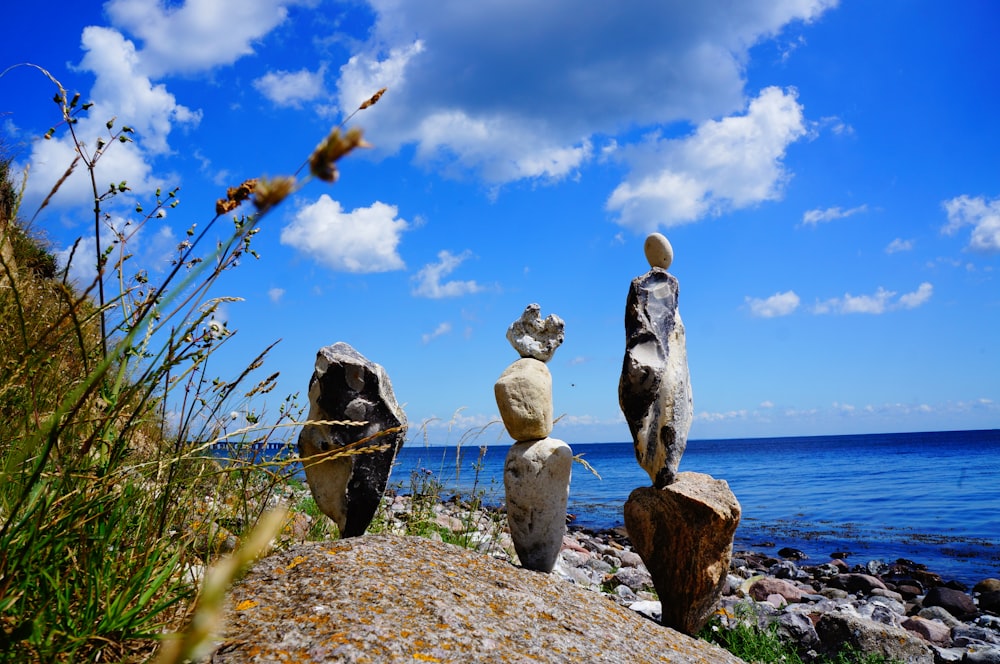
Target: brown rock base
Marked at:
684, 534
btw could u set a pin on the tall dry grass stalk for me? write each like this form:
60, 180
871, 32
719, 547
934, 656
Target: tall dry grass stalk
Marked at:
112, 504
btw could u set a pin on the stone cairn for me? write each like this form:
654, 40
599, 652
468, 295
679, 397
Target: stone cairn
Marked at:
346, 389
683, 525
537, 469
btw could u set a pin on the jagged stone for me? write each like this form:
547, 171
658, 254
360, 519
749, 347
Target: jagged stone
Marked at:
655, 387
346, 386
524, 397
531, 336
536, 477
684, 533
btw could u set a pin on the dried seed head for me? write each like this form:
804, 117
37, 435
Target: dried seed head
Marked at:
371, 101
336, 145
235, 196
269, 193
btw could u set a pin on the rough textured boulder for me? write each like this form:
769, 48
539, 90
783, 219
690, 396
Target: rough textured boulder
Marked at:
391, 598
684, 533
524, 398
837, 630
347, 387
536, 477
655, 387
532, 336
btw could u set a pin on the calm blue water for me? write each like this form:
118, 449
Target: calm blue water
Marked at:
931, 497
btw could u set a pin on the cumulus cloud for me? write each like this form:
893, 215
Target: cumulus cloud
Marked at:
523, 90
275, 294
917, 297
726, 164
980, 213
779, 304
121, 90
898, 245
428, 279
440, 330
286, 88
815, 217
877, 303
197, 34
362, 240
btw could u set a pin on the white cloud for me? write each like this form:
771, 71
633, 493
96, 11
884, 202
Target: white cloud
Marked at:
814, 217
285, 88
899, 244
779, 304
197, 34
124, 88
856, 304
121, 90
523, 90
726, 164
440, 330
275, 294
984, 217
767, 404
362, 240
917, 297
428, 279
878, 303
720, 417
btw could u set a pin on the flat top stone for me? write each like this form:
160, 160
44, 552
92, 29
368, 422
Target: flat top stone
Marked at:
532, 336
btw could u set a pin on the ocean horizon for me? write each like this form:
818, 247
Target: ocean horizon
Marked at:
930, 497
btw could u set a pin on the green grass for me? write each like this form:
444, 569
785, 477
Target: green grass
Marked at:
114, 515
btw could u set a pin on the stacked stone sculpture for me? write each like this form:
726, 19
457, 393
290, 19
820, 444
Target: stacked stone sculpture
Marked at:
683, 525
537, 468
346, 388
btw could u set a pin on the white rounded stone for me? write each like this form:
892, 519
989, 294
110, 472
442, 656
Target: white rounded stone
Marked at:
536, 478
659, 253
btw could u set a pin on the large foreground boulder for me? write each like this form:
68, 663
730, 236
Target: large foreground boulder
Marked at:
347, 464
684, 533
393, 598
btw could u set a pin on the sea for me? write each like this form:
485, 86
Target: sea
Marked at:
932, 498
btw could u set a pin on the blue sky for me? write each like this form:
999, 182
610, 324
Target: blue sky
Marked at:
826, 172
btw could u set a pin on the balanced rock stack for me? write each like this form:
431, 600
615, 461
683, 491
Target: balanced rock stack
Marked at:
537, 469
355, 396
683, 525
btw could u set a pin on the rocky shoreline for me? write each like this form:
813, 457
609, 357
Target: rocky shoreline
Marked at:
899, 609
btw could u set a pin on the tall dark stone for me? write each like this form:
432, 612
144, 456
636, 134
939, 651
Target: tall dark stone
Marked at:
348, 389
654, 391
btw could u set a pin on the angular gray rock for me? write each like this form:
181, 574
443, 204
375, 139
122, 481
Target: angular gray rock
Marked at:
536, 477
347, 387
654, 391
524, 398
684, 533
531, 336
